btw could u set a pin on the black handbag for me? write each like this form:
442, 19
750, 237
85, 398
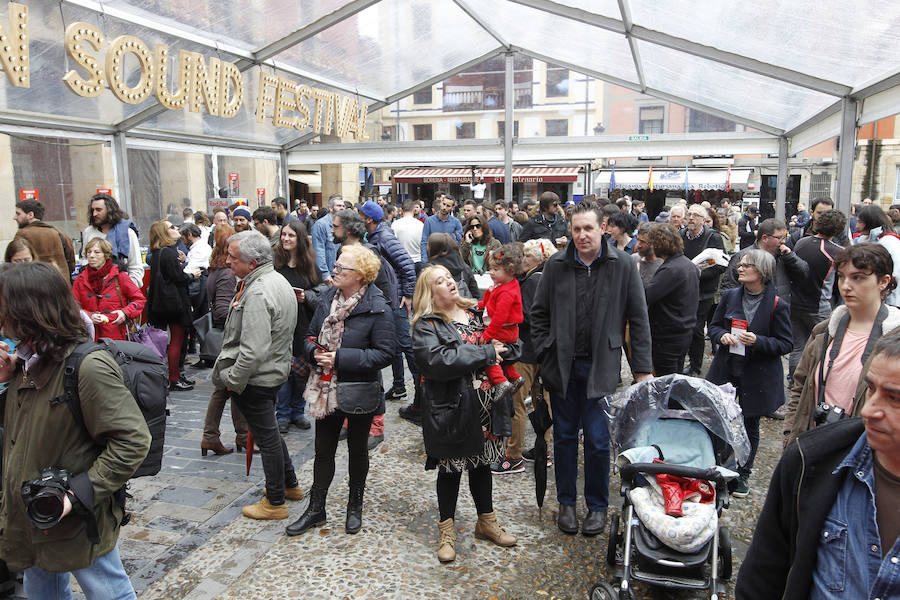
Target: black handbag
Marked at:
359, 397
451, 426
210, 337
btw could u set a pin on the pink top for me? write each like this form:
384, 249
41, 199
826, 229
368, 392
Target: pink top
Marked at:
844, 377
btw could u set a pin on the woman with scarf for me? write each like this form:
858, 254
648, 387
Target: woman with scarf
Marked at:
350, 339
107, 295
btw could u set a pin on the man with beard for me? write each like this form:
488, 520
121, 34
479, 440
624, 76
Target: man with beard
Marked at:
322, 240
49, 243
265, 221
241, 216
442, 222
647, 262
107, 219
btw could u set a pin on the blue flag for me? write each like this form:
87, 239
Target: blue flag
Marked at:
612, 179
687, 191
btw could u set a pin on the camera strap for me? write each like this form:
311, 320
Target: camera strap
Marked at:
844, 323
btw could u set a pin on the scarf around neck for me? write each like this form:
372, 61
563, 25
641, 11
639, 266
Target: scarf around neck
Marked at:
97, 277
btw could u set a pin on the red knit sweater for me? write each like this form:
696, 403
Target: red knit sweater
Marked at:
504, 306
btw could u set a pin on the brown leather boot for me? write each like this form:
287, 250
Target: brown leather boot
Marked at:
265, 511
446, 541
291, 493
487, 528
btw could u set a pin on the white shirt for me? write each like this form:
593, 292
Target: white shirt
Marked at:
198, 256
135, 263
409, 231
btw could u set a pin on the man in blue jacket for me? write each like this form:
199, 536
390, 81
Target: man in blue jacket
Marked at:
382, 236
441, 222
323, 241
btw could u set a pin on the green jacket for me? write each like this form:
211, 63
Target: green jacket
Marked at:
259, 332
37, 434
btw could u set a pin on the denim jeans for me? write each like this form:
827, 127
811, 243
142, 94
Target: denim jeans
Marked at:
290, 404
105, 579
257, 403
570, 412
404, 347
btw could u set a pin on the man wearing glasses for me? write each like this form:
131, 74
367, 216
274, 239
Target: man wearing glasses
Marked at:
548, 223
789, 268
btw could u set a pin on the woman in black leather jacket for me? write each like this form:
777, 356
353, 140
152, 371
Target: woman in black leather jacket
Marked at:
456, 415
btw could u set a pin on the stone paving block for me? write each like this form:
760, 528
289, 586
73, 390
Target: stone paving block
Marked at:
153, 535
178, 511
187, 496
209, 589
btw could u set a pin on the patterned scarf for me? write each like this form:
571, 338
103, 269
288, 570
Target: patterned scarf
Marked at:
321, 396
97, 277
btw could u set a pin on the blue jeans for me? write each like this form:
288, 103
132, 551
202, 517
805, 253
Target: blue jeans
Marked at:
568, 413
404, 346
289, 404
105, 579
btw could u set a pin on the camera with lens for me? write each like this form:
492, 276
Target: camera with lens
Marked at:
826, 414
44, 497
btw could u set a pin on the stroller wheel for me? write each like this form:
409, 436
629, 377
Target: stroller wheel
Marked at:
603, 591
613, 545
725, 566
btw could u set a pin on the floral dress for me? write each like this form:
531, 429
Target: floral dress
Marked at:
494, 447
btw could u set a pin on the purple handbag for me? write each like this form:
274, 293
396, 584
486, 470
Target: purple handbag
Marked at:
155, 339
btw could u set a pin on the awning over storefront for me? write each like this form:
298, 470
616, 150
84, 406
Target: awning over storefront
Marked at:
673, 179
313, 180
492, 175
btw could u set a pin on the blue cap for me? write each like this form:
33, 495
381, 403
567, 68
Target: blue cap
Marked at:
372, 210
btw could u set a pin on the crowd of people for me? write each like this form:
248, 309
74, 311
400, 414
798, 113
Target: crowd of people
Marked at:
485, 305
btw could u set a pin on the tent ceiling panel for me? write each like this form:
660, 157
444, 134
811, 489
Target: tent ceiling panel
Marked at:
571, 41
605, 8
813, 37
248, 24
729, 89
393, 45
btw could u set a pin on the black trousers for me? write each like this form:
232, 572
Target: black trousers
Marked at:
480, 485
257, 403
698, 341
802, 323
668, 355
327, 431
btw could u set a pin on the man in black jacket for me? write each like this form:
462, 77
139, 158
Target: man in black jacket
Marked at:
697, 238
818, 207
829, 527
747, 227
549, 223
578, 315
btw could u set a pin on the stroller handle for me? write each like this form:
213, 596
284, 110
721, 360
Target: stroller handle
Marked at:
628, 471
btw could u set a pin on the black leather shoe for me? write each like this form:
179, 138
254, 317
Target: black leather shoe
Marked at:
594, 523
283, 427
354, 511
567, 521
313, 516
179, 386
301, 423
184, 379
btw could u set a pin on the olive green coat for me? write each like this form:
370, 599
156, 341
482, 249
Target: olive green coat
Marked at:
37, 434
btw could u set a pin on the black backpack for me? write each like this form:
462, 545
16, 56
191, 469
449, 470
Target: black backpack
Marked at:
146, 377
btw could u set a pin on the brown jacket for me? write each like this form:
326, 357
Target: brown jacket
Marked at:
801, 407
50, 246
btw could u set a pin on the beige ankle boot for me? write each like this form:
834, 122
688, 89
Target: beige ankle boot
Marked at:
487, 528
447, 541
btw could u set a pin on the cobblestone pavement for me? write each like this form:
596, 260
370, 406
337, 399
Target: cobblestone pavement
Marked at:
188, 540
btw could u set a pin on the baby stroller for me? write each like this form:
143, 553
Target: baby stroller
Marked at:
689, 432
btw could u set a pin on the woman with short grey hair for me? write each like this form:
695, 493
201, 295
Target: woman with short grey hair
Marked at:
753, 327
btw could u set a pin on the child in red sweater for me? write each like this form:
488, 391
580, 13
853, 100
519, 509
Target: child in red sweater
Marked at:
502, 304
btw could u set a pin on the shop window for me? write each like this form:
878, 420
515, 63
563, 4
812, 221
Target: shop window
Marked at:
253, 174
820, 185
423, 96
652, 119
557, 127
557, 82
422, 132
389, 133
501, 128
465, 131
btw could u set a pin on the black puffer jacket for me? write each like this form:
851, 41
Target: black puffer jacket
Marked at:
540, 227
528, 283
450, 417
369, 341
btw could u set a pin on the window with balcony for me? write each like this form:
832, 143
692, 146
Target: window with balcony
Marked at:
652, 119
422, 132
557, 127
557, 82
465, 131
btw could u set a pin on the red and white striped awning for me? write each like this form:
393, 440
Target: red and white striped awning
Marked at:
491, 175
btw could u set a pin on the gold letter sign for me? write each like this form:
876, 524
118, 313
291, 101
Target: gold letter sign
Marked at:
14, 45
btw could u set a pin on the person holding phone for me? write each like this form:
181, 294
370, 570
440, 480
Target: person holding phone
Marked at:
477, 243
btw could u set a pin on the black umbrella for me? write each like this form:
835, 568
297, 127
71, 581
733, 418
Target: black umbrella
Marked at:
541, 421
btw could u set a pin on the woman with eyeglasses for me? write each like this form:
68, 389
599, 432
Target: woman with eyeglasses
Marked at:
477, 244
350, 339
168, 303
752, 326
832, 370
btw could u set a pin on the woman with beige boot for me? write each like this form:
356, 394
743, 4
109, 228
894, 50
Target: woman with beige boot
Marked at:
456, 404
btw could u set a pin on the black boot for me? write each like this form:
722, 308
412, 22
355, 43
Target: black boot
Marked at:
354, 509
313, 516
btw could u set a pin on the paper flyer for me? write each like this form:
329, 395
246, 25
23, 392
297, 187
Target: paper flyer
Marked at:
738, 326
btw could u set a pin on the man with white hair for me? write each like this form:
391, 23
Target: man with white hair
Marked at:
676, 217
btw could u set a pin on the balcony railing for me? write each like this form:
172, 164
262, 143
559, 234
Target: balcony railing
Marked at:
469, 100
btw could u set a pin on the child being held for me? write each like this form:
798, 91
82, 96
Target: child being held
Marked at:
502, 304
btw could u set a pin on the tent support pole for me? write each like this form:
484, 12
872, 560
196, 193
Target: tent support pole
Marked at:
846, 154
509, 129
781, 186
124, 181
285, 180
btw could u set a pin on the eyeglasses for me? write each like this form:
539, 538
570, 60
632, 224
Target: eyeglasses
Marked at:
746, 266
338, 269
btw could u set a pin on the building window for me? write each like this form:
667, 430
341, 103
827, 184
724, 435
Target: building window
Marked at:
465, 131
820, 185
701, 121
652, 119
557, 82
557, 127
501, 128
422, 132
423, 96
389, 133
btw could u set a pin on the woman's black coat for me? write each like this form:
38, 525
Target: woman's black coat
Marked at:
759, 375
369, 341
447, 364
167, 299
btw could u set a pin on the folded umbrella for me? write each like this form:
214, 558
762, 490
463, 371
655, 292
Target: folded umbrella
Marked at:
249, 450
541, 422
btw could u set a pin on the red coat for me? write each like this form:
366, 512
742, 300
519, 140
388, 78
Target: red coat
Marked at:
108, 300
504, 305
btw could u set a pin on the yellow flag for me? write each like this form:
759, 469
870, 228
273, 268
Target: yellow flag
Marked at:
650, 183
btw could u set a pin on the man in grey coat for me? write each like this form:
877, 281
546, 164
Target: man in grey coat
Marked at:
583, 300
255, 359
